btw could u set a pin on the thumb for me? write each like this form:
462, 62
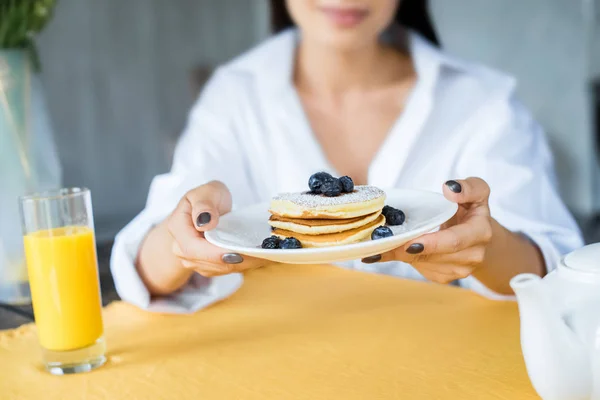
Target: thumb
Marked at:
468, 191
208, 202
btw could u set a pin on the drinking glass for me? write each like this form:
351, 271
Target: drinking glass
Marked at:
60, 251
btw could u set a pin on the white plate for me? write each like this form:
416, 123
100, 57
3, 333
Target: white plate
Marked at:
242, 231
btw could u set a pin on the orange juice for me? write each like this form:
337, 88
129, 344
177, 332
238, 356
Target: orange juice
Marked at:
63, 276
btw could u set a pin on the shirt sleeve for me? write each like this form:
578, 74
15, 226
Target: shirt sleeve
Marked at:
208, 150
509, 150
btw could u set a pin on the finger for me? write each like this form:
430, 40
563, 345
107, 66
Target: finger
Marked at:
209, 200
203, 252
426, 269
437, 272
207, 203
210, 270
197, 253
197, 265
437, 275
452, 221
472, 256
476, 231
443, 273
467, 191
228, 264
187, 241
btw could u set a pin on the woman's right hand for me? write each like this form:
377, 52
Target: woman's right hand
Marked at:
197, 212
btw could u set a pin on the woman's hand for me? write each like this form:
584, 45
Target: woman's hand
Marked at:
471, 243
197, 212
459, 247
176, 248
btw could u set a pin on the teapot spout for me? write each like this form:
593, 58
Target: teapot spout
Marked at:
556, 359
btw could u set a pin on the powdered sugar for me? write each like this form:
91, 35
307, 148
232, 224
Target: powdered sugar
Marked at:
308, 200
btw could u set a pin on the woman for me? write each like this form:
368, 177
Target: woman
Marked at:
361, 88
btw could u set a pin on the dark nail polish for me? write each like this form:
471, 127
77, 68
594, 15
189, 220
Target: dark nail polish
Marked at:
415, 248
203, 219
232, 258
454, 186
372, 259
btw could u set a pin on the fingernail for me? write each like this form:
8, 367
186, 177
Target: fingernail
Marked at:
372, 259
415, 248
232, 258
454, 186
203, 219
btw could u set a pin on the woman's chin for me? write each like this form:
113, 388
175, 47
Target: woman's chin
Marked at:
346, 41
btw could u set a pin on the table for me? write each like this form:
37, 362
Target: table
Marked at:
297, 332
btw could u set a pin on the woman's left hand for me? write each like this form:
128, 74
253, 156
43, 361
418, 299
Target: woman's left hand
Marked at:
460, 246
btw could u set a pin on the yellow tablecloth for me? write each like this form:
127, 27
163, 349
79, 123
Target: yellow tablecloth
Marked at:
296, 332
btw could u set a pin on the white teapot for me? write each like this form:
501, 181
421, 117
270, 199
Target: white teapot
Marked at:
560, 327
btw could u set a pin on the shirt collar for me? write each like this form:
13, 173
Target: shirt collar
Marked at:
276, 74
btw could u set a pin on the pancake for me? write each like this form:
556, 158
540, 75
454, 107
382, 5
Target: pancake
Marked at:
333, 239
317, 222
364, 200
321, 226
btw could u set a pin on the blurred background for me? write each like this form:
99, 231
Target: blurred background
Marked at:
120, 76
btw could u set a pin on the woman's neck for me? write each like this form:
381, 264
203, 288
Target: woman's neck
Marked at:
319, 69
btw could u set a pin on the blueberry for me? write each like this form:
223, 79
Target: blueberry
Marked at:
386, 209
395, 217
316, 180
290, 243
272, 242
331, 187
347, 184
381, 232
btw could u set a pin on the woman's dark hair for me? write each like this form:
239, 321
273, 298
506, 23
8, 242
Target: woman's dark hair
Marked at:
413, 14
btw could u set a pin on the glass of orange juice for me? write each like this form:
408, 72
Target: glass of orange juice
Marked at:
60, 250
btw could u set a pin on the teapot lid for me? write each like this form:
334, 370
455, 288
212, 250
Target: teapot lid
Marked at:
586, 259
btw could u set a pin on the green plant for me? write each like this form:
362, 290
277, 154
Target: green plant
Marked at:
20, 21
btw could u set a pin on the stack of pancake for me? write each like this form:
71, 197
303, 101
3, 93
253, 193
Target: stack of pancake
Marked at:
320, 221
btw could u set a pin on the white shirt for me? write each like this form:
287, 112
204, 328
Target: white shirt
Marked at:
248, 129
